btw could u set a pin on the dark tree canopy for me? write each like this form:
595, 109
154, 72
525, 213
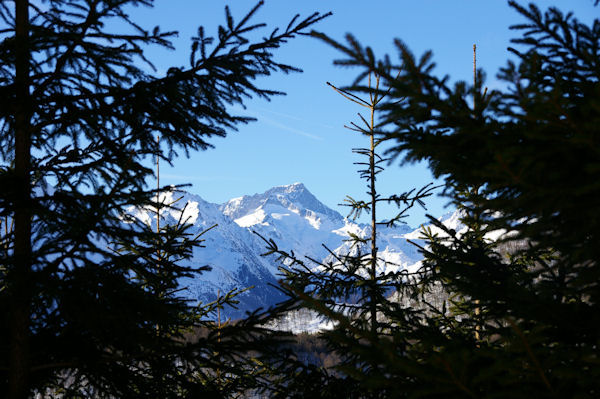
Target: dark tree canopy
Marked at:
533, 147
86, 305
519, 314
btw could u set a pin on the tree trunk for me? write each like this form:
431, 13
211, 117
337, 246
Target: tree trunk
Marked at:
373, 222
19, 279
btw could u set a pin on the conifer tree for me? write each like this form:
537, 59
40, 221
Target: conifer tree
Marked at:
78, 115
354, 290
531, 268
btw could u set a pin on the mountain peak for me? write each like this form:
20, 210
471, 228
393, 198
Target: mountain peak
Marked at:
288, 188
292, 196
296, 186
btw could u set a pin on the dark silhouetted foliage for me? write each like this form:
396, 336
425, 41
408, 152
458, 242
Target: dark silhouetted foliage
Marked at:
520, 318
88, 302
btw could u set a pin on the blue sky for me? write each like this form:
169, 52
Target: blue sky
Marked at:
300, 137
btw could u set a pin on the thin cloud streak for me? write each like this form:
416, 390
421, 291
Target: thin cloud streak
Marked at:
282, 126
293, 117
260, 116
198, 178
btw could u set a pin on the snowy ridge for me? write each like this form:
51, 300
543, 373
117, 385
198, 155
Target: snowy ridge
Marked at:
294, 197
451, 220
290, 215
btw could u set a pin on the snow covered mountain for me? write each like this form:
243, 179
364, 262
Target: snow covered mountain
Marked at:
297, 221
231, 251
294, 218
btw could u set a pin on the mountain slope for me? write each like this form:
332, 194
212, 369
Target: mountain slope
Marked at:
297, 221
231, 251
290, 215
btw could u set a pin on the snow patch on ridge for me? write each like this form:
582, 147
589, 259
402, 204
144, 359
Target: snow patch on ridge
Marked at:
251, 219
